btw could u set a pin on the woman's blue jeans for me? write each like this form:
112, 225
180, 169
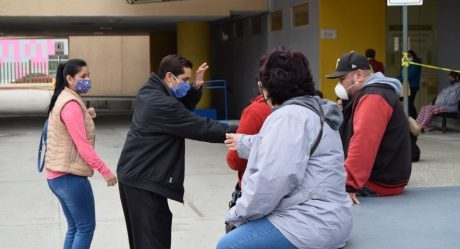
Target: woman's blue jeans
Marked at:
255, 235
76, 197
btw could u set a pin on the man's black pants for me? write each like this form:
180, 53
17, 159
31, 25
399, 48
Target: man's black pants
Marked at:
148, 218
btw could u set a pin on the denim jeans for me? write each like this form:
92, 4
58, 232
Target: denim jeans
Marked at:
255, 234
76, 197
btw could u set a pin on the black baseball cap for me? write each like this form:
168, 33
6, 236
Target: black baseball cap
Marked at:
349, 62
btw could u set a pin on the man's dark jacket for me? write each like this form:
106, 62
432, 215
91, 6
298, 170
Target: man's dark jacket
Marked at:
153, 155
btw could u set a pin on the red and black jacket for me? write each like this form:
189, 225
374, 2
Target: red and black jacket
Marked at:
376, 142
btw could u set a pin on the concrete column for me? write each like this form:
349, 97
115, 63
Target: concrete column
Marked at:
194, 43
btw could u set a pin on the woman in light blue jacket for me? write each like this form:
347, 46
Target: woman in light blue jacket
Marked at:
293, 189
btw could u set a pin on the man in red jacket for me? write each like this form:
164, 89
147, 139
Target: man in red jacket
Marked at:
375, 133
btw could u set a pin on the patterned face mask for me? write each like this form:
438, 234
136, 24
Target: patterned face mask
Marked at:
83, 86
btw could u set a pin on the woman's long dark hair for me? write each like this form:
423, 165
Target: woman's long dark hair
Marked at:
71, 67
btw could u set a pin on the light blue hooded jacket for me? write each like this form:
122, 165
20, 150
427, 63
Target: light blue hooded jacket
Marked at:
379, 78
303, 197
449, 97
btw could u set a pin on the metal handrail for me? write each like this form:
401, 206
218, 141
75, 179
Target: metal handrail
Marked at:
219, 84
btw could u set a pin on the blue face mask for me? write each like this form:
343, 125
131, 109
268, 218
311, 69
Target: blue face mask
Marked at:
181, 90
83, 86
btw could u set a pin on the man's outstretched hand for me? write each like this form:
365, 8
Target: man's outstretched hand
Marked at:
199, 75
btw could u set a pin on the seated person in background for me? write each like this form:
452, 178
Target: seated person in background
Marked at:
446, 101
375, 133
293, 193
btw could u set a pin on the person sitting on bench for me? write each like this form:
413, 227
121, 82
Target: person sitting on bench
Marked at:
446, 101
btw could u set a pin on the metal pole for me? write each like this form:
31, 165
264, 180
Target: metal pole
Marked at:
404, 49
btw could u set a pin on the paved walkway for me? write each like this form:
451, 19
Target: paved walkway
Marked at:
30, 216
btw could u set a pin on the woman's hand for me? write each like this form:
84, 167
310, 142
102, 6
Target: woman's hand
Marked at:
231, 141
92, 112
199, 75
111, 180
353, 198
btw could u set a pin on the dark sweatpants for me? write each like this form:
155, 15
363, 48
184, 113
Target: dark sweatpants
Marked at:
148, 218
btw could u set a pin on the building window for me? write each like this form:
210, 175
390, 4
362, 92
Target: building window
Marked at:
256, 25
276, 20
300, 15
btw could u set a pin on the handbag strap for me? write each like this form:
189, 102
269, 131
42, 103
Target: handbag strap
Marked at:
318, 138
42, 147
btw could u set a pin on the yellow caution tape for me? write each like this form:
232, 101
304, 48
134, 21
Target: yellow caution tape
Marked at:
405, 62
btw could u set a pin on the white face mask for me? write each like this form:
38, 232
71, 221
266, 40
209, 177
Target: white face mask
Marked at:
341, 92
